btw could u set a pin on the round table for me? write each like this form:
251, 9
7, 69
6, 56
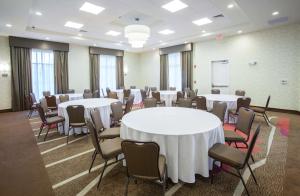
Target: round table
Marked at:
231, 101
183, 134
102, 104
168, 97
136, 92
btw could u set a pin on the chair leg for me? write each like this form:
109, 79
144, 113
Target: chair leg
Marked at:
266, 119
101, 174
46, 133
94, 157
252, 174
241, 177
41, 129
212, 172
68, 135
126, 187
252, 158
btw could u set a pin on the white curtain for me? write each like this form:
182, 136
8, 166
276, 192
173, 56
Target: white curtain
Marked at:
42, 71
108, 72
175, 70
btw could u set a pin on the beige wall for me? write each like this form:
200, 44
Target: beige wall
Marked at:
5, 82
132, 65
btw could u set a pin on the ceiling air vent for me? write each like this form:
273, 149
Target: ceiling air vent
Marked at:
218, 16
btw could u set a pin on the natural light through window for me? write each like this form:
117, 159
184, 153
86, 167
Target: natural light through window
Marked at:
42, 71
175, 70
107, 72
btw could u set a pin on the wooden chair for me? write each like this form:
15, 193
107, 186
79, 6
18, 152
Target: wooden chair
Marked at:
63, 98
156, 95
219, 109
76, 118
241, 102
129, 104
185, 102
179, 95
201, 103
51, 102
117, 113
150, 103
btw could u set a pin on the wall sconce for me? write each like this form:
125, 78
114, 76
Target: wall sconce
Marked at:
125, 71
4, 70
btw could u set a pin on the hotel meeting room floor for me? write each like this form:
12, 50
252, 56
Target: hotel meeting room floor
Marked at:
30, 166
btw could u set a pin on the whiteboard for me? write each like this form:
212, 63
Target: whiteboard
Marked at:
220, 73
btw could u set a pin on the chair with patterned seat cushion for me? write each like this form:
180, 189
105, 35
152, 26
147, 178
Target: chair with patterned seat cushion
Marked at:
201, 103
47, 111
108, 150
244, 123
219, 109
263, 111
159, 102
117, 113
144, 162
76, 118
233, 158
129, 104
64, 98
112, 95
48, 122
87, 95
240, 93
126, 94
185, 102
103, 133
51, 102
179, 95
241, 102
150, 103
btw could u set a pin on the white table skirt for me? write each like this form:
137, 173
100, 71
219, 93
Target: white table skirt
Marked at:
102, 104
168, 97
136, 92
183, 134
231, 101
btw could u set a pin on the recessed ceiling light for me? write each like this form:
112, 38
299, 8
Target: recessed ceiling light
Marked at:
78, 38
230, 6
185, 42
166, 32
113, 33
160, 41
206, 34
275, 13
202, 21
94, 45
79, 34
38, 13
203, 31
91, 8
47, 38
174, 6
8, 25
240, 31
74, 25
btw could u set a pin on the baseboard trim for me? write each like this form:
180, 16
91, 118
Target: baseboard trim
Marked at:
6, 110
280, 110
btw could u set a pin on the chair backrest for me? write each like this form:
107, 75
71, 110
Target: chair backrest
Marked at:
112, 95
243, 102
240, 93
143, 94
32, 97
41, 113
87, 95
87, 91
187, 103
150, 102
219, 109
51, 101
46, 93
201, 103
94, 136
70, 91
126, 93
251, 146
215, 91
44, 105
156, 95
153, 89
117, 110
146, 88
191, 94
187, 89
268, 102
96, 94
129, 104
132, 87
196, 91
245, 120
180, 95
97, 121
76, 114
141, 159
63, 98
107, 90
172, 88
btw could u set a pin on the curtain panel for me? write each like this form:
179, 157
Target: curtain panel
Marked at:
187, 69
21, 77
164, 72
94, 72
61, 72
120, 72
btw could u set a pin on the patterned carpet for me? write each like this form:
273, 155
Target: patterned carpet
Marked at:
67, 166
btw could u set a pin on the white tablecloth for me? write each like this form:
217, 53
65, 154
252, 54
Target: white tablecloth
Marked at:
136, 92
231, 101
168, 97
102, 104
183, 134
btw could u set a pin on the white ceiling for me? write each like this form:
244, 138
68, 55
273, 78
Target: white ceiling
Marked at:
247, 15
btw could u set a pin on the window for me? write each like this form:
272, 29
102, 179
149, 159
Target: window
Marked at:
175, 70
108, 72
42, 71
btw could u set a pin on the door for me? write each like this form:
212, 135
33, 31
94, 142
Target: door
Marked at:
220, 75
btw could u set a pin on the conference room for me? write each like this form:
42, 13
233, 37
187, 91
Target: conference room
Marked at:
149, 97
